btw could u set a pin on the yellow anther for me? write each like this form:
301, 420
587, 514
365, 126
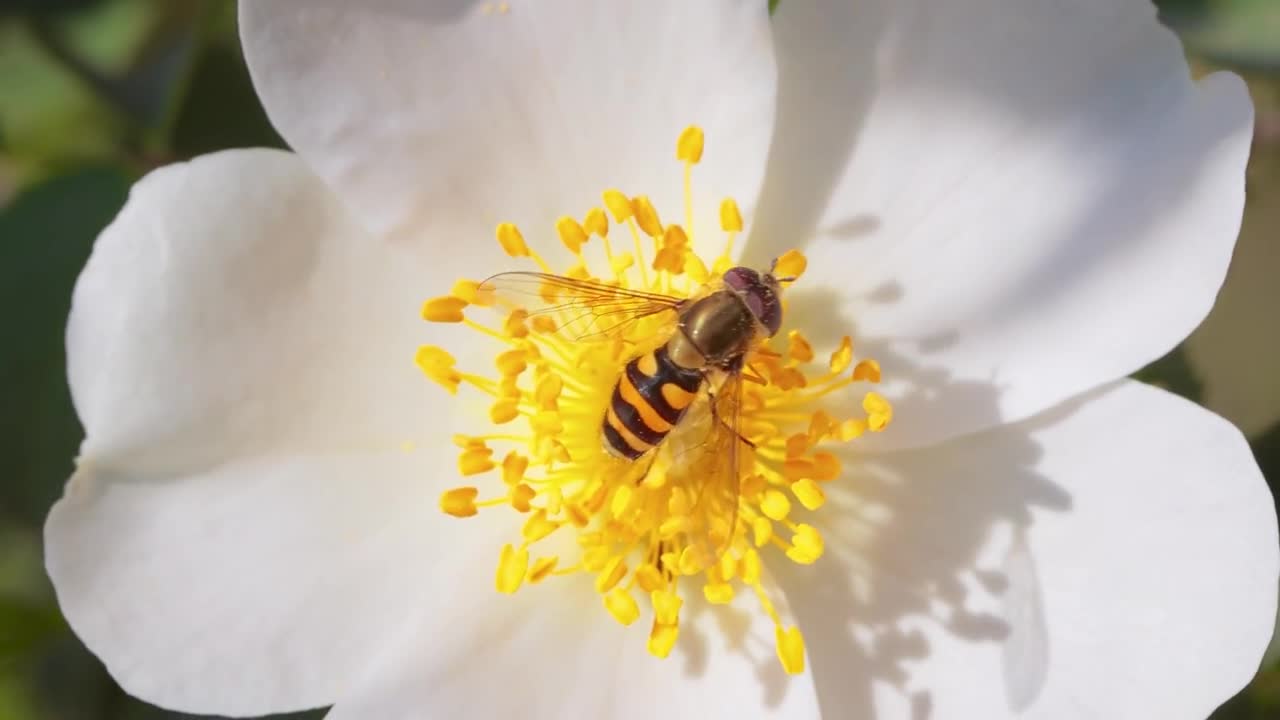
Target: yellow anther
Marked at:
730, 217
538, 527
798, 348
751, 567
647, 216
809, 494
470, 292
797, 445
718, 593
512, 565
762, 531
850, 429
622, 606
728, 566
679, 503
791, 265
611, 575
548, 391
879, 411
619, 205
596, 223
571, 234
520, 497
511, 362
843, 356
666, 607
826, 467
693, 560
689, 146
512, 241
504, 411
650, 578
790, 649
672, 526
459, 502
820, 424
621, 501
514, 326
868, 370
437, 365
661, 639
695, 268
806, 545
513, 467
544, 324
674, 237
775, 505
542, 567
444, 309
622, 262
795, 468
476, 460
669, 260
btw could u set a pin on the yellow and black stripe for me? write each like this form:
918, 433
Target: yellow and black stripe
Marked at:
650, 398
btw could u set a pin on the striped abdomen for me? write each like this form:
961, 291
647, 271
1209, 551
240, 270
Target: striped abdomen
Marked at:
650, 398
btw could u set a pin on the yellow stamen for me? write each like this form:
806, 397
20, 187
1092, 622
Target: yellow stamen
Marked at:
639, 527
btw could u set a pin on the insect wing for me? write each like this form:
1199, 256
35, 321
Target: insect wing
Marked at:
718, 469
582, 309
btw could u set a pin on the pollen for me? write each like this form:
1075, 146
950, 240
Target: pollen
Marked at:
680, 519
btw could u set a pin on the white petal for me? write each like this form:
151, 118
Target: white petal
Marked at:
466, 115
1010, 202
1114, 557
552, 651
243, 530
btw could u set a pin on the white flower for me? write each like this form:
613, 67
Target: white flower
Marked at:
1010, 204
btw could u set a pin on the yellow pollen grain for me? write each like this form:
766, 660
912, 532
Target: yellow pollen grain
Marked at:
790, 645
689, 145
512, 241
571, 234
512, 564
647, 216
730, 216
622, 606
459, 502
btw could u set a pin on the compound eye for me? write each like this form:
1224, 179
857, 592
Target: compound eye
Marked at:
764, 304
741, 278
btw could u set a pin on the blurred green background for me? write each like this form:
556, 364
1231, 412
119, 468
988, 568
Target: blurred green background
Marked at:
94, 93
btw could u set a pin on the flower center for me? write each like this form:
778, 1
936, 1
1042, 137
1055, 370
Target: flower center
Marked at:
610, 435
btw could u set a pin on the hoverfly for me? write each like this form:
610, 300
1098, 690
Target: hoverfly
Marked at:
703, 355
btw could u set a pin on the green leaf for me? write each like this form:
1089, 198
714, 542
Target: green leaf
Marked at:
1244, 33
45, 238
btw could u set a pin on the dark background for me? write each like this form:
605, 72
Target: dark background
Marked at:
94, 93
